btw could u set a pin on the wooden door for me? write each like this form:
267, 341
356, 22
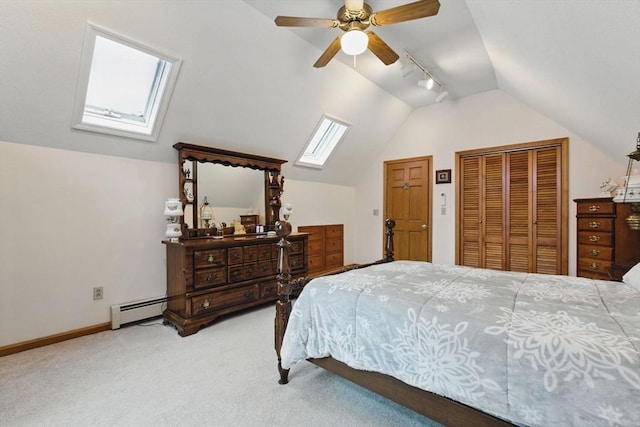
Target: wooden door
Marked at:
408, 202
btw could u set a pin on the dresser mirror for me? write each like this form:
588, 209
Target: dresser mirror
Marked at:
231, 184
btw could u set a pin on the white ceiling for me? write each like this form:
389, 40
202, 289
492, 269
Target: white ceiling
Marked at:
576, 61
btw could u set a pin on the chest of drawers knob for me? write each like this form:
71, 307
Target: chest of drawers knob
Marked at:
594, 238
594, 224
594, 208
594, 252
594, 266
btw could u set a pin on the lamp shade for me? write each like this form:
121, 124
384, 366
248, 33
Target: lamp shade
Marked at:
173, 207
354, 42
287, 210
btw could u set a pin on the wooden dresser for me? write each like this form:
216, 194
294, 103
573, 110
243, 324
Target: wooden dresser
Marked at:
326, 247
210, 277
607, 247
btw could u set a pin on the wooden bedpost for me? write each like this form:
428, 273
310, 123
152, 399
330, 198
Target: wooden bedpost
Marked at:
283, 305
388, 247
286, 285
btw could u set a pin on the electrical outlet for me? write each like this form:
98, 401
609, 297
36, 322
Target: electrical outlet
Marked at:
98, 293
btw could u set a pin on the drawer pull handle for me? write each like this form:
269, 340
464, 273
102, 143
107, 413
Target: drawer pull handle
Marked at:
248, 294
594, 252
594, 266
594, 238
594, 208
205, 304
594, 224
210, 258
211, 277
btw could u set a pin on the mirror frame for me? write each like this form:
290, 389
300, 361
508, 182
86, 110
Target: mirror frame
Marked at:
273, 181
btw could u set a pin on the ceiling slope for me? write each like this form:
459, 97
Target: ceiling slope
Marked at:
577, 62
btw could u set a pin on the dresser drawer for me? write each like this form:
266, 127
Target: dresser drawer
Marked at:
315, 262
264, 252
296, 247
209, 258
222, 299
595, 207
592, 265
236, 273
595, 238
333, 231
210, 277
334, 245
250, 270
334, 260
265, 268
235, 256
596, 224
296, 262
595, 252
315, 247
250, 253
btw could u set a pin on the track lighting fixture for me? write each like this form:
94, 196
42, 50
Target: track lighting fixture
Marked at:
429, 82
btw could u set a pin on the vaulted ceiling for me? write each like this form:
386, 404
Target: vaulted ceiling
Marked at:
249, 85
576, 61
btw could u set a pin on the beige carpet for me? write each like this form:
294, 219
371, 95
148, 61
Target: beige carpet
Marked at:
225, 375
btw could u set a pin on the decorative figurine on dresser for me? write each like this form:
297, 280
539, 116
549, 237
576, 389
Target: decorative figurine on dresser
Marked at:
210, 270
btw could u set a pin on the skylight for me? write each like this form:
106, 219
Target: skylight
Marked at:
324, 140
124, 87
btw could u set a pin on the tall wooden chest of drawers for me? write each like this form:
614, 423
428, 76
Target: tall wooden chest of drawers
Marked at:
326, 247
208, 277
607, 247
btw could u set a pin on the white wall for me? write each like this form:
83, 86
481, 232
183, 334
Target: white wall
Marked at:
70, 221
488, 119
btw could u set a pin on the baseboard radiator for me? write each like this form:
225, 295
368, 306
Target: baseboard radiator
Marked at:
136, 311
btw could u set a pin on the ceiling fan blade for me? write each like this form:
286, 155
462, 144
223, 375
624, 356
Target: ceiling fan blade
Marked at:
381, 49
354, 5
294, 21
328, 54
407, 12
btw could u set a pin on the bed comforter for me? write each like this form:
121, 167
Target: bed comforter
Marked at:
536, 350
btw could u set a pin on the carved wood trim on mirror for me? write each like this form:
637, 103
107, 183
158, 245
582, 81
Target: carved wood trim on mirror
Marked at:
191, 156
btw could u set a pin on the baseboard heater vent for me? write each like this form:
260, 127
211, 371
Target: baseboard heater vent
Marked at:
136, 311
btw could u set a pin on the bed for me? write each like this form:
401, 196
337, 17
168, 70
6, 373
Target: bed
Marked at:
468, 346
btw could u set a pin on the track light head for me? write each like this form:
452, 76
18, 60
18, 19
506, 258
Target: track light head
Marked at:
426, 83
442, 96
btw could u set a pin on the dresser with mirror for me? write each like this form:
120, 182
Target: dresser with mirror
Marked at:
224, 262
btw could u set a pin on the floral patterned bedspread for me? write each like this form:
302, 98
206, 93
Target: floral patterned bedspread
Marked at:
536, 350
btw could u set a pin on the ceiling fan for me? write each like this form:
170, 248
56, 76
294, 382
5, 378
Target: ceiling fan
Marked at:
355, 17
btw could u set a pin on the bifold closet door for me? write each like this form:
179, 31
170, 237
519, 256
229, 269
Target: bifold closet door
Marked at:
511, 210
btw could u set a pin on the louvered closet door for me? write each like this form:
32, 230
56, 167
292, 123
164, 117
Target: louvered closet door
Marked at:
511, 208
483, 231
519, 201
547, 256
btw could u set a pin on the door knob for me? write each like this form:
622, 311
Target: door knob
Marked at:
424, 226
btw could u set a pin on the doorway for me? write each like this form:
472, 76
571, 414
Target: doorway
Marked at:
407, 200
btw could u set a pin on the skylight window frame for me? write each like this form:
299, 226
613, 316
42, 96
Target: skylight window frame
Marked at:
164, 82
320, 142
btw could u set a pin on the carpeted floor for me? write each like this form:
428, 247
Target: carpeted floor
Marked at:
147, 375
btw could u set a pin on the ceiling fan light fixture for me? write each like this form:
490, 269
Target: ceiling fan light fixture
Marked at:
354, 42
